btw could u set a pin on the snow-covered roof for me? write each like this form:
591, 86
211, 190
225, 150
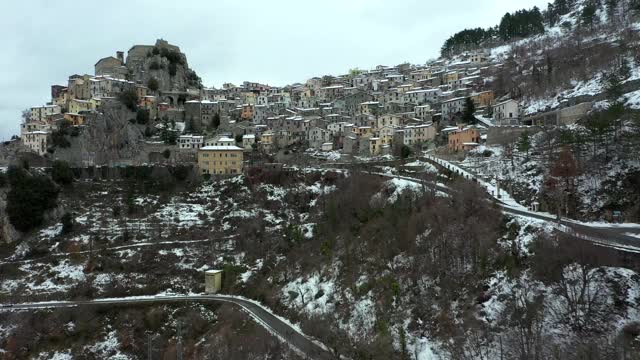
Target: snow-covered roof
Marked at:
220, 148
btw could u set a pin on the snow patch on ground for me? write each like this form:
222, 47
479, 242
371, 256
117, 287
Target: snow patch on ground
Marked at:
55, 356
313, 295
402, 186
108, 348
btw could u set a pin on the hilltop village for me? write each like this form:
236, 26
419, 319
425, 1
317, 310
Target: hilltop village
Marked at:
386, 111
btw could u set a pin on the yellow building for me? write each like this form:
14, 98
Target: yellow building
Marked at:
363, 130
369, 107
249, 98
142, 91
220, 160
465, 138
75, 119
451, 76
267, 138
76, 106
484, 98
375, 146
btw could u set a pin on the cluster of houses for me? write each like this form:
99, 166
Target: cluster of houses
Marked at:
364, 113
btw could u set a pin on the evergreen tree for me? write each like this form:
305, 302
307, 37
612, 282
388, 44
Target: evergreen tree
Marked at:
153, 84
61, 172
130, 99
465, 40
469, 111
521, 24
142, 116
216, 120
612, 6
29, 198
67, 223
405, 151
524, 143
588, 15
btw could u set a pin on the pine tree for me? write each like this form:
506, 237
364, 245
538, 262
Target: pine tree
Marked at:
216, 120
524, 143
588, 15
469, 111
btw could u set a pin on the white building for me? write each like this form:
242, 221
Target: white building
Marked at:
36, 141
452, 106
190, 141
418, 134
220, 141
422, 96
248, 141
40, 113
318, 136
423, 112
507, 112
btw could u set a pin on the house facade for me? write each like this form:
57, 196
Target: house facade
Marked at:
463, 139
507, 112
220, 160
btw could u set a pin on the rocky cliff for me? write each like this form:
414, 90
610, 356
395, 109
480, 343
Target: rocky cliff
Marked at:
165, 63
111, 138
8, 233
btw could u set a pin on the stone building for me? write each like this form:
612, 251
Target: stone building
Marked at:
112, 66
79, 87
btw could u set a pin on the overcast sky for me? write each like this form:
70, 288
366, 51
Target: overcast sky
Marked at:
275, 42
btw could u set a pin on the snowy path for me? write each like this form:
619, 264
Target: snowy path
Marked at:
509, 201
115, 248
279, 327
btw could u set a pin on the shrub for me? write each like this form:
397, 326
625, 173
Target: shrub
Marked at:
30, 196
173, 69
58, 138
142, 116
129, 99
153, 84
405, 151
67, 223
61, 172
181, 173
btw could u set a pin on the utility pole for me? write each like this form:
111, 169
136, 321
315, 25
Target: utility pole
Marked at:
149, 348
179, 345
91, 249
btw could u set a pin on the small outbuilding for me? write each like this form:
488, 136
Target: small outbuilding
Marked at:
212, 281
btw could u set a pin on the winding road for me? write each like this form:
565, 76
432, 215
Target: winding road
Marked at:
614, 237
299, 342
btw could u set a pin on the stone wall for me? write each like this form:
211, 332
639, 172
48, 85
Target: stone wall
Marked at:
499, 135
563, 116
